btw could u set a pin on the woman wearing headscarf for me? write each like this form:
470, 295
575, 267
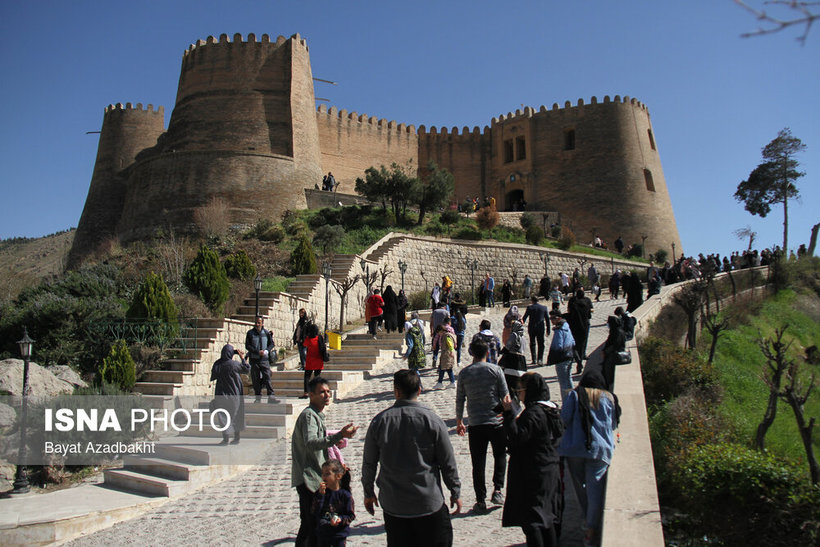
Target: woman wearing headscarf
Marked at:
512, 315
615, 342
590, 414
229, 391
391, 308
534, 499
401, 310
513, 361
315, 355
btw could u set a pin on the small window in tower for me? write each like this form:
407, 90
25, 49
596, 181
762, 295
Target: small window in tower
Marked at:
569, 139
520, 148
651, 139
508, 151
650, 183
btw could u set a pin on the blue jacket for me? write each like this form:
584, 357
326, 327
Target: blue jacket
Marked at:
562, 344
573, 443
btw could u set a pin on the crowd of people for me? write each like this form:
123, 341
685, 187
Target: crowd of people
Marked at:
538, 444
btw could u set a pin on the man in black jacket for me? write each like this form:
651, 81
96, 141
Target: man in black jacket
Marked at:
260, 347
537, 314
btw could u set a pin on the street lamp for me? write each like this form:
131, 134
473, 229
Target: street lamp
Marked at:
21, 484
674, 256
326, 271
402, 269
366, 271
643, 243
472, 264
257, 285
546, 257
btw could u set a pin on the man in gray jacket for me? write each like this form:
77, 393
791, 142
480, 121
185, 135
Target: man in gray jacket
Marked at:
261, 349
409, 480
484, 387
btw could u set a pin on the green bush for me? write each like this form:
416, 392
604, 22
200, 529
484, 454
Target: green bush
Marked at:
670, 371
740, 496
434, 228
206, 278
329, 237
468, 233
152, 300
293, 224
535, 234
419, 300
266, 230
118, 368
303, 259
555, 231
449, 218
567, 239
239, 266
660, 256
526, 220
636, 250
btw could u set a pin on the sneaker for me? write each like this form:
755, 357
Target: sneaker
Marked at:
453, 383
438, 385
273, 400
480, 507
498, 498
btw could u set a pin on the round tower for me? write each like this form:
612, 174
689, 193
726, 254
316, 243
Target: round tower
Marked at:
126, 130
243, 129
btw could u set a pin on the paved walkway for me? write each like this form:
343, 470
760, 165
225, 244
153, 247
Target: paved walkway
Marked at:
259, 507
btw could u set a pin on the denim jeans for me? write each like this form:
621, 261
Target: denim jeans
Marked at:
588, 481
563, 371
459, 343
302, 355
449, 372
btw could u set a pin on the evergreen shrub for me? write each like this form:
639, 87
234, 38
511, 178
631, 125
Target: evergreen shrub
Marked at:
206, 278
670, 371
534, 234
152, 300
467, 233
303, 259
567, 239
239, 266
526, 220
118, 367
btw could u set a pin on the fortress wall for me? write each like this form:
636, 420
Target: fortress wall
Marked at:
234, 95
125, 131
352, 142
600, 183
464, 154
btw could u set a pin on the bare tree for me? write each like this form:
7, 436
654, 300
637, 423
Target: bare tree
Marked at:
796, 12
715, 327
212, 218
170, 250
776, 364
384, 272
813, 240
794, 394
743, 233
691, 300
342, 288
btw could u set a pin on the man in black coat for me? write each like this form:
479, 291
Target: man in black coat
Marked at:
229, 391
260, 347
537, 314
579, 312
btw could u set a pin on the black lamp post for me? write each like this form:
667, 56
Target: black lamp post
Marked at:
674, 256
472, 264
257, 285
644, 237
326, 271
402, 269
21, 484
366, 270
546, 257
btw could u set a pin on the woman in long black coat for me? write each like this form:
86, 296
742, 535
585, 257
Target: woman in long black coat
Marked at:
615, 342
391, 309
534, 495
230, 391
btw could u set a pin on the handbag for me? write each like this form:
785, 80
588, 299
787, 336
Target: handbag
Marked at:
623, 357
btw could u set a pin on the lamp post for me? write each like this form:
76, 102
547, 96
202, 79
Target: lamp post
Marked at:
643, 244
402, 269
674, 256
21, 484
326, 271
472, 264
366, 271
257, 286
546, 257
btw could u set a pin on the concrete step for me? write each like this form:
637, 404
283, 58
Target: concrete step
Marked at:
123, 479
250, 432
186, 365
284, 384
155, 388
161, 467
166, 376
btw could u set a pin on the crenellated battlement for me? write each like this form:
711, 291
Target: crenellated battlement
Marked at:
149, 109
529, 112
237, 39
345, 118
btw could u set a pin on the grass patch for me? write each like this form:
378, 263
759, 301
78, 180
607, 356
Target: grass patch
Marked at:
277, 283
740, 365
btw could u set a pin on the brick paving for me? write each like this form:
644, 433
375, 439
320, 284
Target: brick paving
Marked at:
258, 507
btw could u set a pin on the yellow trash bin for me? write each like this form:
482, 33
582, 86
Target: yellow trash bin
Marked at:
334, 340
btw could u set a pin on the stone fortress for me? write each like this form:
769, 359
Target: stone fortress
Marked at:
245, 128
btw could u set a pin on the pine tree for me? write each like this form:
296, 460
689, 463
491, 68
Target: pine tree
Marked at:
303, 259
118, 368
206, 278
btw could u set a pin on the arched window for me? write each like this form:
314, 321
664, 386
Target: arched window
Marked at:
650, 182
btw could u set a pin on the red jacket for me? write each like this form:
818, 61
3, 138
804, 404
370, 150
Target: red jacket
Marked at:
375, 304
313, 360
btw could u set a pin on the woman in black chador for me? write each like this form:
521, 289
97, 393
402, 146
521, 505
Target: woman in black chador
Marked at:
229, 392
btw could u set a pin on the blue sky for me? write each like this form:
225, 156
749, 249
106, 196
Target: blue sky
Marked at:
715, 98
